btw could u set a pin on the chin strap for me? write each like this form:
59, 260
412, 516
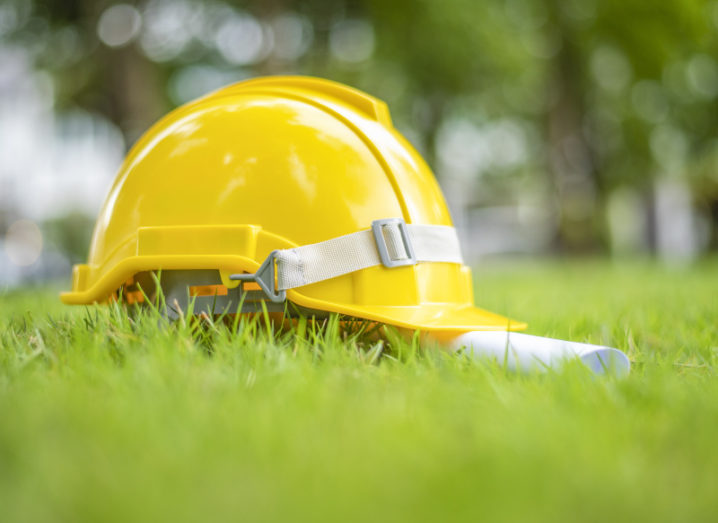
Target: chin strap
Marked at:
390, 242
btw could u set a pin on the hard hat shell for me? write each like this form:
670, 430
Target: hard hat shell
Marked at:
275, 163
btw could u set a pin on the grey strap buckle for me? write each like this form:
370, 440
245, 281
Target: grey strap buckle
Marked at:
264, 277
386, 259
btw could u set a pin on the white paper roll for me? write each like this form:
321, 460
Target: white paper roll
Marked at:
525, 353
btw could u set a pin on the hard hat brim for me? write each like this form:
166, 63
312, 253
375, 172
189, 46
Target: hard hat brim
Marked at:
430, 317
425, 317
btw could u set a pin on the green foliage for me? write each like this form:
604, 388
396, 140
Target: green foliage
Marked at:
71, 233
600, 96
116, 416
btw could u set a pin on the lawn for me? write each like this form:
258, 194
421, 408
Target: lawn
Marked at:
107, 418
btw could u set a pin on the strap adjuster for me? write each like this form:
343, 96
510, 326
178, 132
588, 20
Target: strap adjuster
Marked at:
386, 259
264, 277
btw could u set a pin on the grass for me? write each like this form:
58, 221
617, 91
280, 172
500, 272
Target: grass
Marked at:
107, 418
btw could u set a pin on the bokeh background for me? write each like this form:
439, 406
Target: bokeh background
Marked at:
555, 127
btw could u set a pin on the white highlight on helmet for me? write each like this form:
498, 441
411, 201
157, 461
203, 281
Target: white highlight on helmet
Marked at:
119, 25
526, 353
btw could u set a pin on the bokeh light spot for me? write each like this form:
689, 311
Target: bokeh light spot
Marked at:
702, 74
119, 25
8, 18
168, 29
670, 147
23, 243
193, 81
241, 40
352, 41
610, 68
293, 34
649, 101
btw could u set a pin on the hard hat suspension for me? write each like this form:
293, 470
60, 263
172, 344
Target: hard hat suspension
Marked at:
265, 278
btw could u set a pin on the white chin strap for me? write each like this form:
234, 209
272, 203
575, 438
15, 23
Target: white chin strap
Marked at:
390, 242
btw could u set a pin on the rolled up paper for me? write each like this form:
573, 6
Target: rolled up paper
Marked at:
525, 353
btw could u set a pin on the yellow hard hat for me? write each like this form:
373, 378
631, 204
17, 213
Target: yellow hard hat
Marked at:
290, 188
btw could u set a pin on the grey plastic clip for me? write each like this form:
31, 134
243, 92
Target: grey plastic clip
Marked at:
386, 259
264, 277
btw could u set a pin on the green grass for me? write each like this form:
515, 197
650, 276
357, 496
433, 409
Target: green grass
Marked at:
103, 418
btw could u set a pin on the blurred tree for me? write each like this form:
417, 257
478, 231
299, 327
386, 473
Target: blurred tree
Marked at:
119, 82
610, 100
70, 235
451, 49
594, 70
608, 94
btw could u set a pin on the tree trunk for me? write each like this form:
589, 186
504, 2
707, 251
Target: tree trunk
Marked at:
571, 161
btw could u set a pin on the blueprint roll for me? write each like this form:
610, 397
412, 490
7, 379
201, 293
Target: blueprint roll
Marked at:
526, 353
